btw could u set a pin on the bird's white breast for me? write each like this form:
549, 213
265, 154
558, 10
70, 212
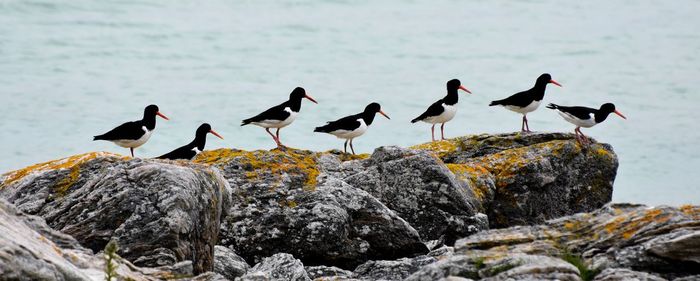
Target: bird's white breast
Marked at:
587, 123
135, 143
447, 114
279, 123
529, 108
347, 134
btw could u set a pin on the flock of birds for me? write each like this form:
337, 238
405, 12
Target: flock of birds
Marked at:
134, 134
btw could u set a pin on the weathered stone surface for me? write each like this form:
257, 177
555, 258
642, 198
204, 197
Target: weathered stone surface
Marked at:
528, 178
278, 267
328, 272
420, 189
658, 240
160, 212
280, 205
391, 269
228, 263
623, 274
31, 250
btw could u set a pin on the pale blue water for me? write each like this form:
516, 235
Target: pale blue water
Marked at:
73, 69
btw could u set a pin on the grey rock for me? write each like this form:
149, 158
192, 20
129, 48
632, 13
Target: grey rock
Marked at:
31, 250
623, 274
524, 179
530, 267
160, 212
208, 276
329, 272
420, 189
281, 267
391, 269
228, 263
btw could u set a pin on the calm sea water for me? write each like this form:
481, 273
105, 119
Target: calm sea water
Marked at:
73, 69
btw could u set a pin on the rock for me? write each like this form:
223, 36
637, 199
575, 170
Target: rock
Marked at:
328, 272
657, 240
280, 205
524, 179
278, 267
208, 276
31, 250
623, 274
391, 269
228, 264
160, 212
420, 189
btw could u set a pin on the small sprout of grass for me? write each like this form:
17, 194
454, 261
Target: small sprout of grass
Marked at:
479, 263
110, 255
586, 273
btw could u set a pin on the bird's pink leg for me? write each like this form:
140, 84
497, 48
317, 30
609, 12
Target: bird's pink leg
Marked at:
442, 131
273, 137
432, 132
279, 142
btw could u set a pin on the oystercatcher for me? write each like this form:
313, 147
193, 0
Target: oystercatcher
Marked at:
352, 126
585, 116
281, 115
444, 109
527, 101
136, 133
191, 150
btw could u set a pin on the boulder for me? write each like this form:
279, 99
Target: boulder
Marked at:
31, 250
391, 269
524, 179
280, 204
228, 263
327, 272
283, 267
623, 274
420, 189
159, 212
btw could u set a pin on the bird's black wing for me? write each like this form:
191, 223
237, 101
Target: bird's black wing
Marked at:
348, 123
273, 113
580, 112
127, 131
434, 109
183, 152
521, 99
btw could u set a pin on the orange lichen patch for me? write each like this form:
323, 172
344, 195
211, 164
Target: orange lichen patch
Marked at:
440, 148
348, 157
690, 210
627, 225
472, 174
276, 162
613, 226
66, 163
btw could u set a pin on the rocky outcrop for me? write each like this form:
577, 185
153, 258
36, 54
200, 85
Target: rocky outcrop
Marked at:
278, 267
618, 238
159, 212
524, 179
31, 250
391, 269
228, 263
280, 204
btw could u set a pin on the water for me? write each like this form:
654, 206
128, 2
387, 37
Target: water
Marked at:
73, 69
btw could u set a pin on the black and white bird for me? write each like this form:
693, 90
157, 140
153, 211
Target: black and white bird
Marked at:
585, 117
352, 126
527, 101
191, 150
281, 115
136, 133
444, 109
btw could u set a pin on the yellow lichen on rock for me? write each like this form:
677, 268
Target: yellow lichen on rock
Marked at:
72, 162
440, 148
275, 162
472, 174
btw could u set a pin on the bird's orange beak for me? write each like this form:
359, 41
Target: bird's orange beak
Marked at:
163, 116
382, 113
216, 134
555, 83
311, 99
618, 113
464, 89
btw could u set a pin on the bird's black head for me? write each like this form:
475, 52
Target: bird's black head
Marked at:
374, 108
299, 93
203, 129
545, 79
605, 110
149, 114
454, 85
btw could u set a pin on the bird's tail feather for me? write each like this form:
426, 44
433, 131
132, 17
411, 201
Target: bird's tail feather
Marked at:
322, 129
97, 138
416, 119
552, 106
496, 102
246, 122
